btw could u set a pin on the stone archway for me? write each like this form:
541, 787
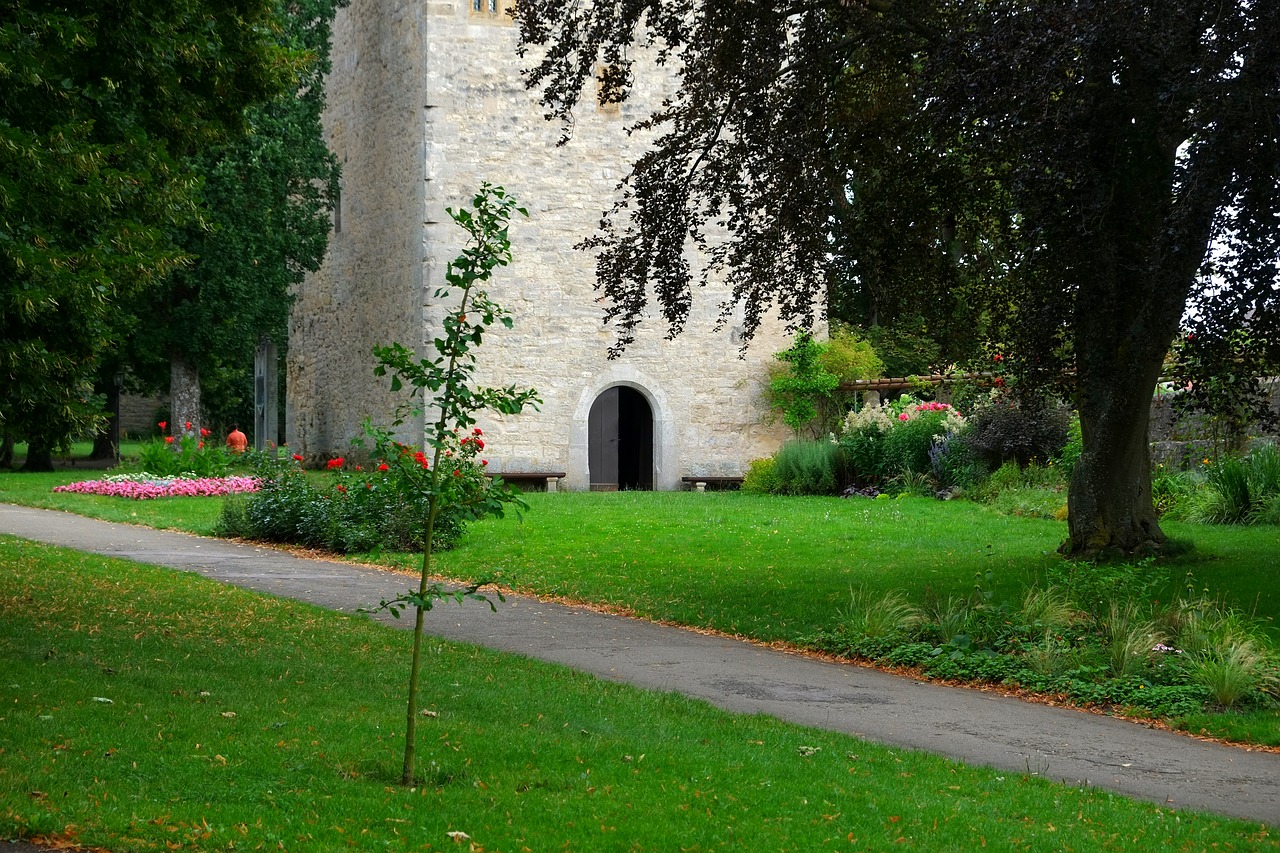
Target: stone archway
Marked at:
665, 463
620, 441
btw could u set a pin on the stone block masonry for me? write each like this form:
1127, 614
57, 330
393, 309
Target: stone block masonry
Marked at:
426, 102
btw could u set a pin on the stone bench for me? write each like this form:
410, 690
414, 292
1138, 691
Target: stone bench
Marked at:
700, 484
551, 479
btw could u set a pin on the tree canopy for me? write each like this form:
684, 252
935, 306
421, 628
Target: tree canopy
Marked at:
1051, 172
266, 198
100, 102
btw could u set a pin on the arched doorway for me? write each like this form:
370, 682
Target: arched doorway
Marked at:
620, 440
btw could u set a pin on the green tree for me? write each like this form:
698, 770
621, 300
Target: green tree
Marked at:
1077, 160
267, 197
100, 101
445, 381
804, 384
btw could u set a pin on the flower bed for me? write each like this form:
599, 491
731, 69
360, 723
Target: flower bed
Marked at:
143, 487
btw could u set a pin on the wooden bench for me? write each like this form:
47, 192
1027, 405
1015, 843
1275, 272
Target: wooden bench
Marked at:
551, 479
699, 484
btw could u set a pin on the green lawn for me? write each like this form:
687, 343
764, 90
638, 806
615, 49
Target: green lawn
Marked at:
771, 568
147, 709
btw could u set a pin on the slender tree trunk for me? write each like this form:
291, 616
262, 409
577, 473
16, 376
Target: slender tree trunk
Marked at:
6, 450
184, 394
106, 442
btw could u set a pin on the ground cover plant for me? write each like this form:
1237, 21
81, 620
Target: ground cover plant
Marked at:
181, 712
1098, 635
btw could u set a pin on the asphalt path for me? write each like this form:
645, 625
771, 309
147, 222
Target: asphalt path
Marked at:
975, 726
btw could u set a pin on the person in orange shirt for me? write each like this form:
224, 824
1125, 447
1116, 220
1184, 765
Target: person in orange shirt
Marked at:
237, 442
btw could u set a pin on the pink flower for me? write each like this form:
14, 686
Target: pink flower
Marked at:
904, 416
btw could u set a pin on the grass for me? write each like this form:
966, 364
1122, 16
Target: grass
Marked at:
240, 720
774, 568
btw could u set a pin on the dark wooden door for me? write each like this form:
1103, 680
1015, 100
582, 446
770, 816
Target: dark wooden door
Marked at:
602, 441
620, 441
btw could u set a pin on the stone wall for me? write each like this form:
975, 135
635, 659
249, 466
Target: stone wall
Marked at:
370, 289
476, 122
1181, 440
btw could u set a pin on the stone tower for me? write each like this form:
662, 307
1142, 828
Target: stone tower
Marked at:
425, 102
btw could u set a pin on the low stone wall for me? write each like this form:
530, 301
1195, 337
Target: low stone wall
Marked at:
1184, 440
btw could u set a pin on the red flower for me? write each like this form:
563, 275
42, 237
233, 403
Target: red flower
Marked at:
358, 468
484, 462
457, 473
168, 439
336, 463
188, 426
297, 457
476, 431
999, 381
384, 467
479, 444
200, 446
342, 488
164, 425
997, 357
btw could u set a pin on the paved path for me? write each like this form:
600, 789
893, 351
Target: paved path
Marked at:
1064, 745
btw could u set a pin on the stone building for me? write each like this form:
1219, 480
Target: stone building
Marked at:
426, 101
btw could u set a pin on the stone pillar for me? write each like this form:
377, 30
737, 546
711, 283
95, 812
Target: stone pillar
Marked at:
266, 394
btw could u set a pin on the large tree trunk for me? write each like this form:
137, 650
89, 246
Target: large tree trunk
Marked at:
1110, 508
39, 457
184, 393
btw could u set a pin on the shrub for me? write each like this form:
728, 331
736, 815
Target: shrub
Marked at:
1007, 430
1070, 453
804, 384
862, 455
805, 467
953, 464
186, 455
800, 383
762, 477
346, 512
907, 445
1172, 491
